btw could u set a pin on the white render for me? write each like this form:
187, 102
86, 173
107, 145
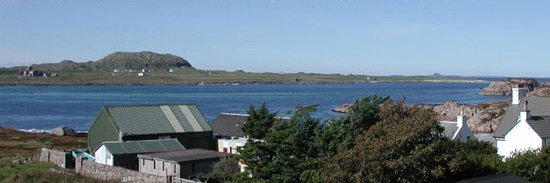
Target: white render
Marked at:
103, 156
520, 138
231, 145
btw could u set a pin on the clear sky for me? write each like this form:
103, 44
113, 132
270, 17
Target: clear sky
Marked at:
381, 37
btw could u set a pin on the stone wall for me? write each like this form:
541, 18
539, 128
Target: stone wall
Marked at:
106, 172
60, 158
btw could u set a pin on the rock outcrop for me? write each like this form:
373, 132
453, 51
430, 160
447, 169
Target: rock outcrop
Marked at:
504, 88
63, 131
542, 91
344, 108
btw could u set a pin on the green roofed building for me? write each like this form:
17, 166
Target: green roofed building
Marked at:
124, 154
183, 122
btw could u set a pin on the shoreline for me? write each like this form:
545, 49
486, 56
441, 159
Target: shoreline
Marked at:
238, 83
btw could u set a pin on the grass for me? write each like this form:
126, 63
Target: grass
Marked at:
38, 172
17, 148
193, 76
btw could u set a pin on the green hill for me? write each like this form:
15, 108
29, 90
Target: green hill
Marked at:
120, 61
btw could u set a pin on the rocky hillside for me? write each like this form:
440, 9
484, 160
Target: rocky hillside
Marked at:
120, 61
482, 118
504, 88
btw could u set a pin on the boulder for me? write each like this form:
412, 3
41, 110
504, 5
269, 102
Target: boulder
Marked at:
504, 88
63, 131
541, 91
344, 108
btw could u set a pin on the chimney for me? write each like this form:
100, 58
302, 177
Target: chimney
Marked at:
461, 119
518, 94
525, 114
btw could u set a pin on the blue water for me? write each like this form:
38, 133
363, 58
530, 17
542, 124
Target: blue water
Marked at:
46, 107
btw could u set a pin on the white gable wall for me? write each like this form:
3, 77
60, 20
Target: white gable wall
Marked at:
103, 156
520, 138
463, 134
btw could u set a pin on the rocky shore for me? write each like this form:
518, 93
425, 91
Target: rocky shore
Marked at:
504, 88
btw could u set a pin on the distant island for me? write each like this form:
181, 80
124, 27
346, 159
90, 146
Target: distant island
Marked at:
150, 68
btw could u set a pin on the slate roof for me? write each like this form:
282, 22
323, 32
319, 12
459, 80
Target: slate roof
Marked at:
449, 128
541, 125
158, 119
185, 156
539, 106
229, 124
143, 146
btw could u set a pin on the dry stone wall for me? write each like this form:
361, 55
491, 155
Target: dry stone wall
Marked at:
60, 158
106, 172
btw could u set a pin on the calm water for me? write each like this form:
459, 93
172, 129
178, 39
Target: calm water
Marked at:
46, 107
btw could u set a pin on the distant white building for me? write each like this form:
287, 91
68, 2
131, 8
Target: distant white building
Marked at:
457, 130
525, 125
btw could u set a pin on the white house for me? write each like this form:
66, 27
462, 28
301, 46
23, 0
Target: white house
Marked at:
525, 125
457, 130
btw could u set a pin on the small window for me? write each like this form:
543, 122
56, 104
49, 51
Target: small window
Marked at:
154, 164
163, 166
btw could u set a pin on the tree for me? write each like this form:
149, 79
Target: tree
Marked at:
259, 122
286, 152
405, 146
223, 170
533, 165
340, 134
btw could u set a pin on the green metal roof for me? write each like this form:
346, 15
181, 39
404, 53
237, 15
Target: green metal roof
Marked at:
143, 146
158, 119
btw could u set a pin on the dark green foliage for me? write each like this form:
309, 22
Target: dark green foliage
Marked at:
222, 171
341, 134
286, 152
379, 141
405, 146
533, 165
259, 122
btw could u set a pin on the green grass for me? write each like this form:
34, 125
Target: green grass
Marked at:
38, 172
193, 76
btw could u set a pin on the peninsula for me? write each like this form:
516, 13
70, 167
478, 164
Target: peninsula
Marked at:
150, 68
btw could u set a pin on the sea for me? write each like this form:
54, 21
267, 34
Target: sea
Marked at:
46, 107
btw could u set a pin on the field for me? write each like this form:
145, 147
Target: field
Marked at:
188, 76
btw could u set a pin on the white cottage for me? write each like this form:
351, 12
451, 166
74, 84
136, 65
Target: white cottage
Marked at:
458, 130
525, 125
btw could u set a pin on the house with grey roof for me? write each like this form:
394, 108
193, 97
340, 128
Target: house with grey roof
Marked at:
228, 125
184, 164
525, 125
183, 122
457, 130
124, 153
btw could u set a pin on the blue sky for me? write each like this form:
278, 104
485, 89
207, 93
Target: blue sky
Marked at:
381, 37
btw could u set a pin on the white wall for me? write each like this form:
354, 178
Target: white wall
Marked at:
231, 145
520, 138
103, 156
464, 134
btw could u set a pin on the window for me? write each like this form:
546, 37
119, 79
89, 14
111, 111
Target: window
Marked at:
225, 149
547, 142
163, 166
154, 164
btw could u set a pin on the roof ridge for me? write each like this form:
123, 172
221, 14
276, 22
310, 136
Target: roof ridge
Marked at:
146, 105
